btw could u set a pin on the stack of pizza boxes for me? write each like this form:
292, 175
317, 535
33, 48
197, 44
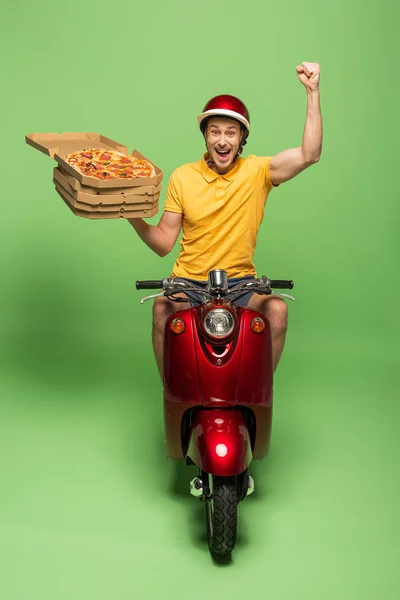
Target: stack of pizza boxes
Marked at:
90, 197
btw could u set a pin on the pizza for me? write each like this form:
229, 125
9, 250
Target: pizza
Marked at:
107, 164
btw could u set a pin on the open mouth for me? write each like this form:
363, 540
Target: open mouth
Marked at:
223, 154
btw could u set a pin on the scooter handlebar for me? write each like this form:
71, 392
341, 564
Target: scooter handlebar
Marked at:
151, 284
156, 284
282, 284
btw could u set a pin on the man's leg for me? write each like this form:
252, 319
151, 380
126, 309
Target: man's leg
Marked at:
276, 311
162, 310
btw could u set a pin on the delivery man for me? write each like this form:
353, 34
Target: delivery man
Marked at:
218, 202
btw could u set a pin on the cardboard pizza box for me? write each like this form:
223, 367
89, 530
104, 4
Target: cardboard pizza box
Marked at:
150, 190
94, 214
57, 146
64, 143
100, 208
90, 196
115, 199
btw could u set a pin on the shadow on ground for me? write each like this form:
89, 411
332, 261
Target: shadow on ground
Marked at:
66, 333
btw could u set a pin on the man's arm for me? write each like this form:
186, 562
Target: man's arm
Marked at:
162, 237
289, 163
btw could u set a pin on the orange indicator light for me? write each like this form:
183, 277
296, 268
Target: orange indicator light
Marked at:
257, 325
178, 326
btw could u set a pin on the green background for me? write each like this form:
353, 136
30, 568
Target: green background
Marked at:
89, 506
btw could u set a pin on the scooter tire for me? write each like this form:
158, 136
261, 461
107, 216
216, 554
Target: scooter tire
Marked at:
221, 516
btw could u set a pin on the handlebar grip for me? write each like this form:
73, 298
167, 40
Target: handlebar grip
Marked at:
282, 284
151, 284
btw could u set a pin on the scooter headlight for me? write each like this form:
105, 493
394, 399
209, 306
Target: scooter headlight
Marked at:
219, 323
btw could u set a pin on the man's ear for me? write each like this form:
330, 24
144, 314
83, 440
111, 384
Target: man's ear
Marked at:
243, 142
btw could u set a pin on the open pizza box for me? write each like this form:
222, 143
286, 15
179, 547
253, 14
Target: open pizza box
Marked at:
140, 196
92, 212
57, 146
76, 185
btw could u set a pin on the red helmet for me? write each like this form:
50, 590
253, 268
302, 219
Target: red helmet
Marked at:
226, 106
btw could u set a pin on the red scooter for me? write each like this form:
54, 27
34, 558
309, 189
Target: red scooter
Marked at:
217, 392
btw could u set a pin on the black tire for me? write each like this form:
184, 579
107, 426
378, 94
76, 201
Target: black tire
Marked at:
221, 515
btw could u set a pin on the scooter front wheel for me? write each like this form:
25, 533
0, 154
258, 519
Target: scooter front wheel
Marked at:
221, 514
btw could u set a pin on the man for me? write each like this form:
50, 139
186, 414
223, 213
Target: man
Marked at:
219, 203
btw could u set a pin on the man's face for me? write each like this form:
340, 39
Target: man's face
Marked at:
223, 137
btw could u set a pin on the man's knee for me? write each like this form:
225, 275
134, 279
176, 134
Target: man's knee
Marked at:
162, 310
277, 312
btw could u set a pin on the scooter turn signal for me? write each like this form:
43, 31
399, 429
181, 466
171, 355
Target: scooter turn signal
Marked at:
257, 325
178, 326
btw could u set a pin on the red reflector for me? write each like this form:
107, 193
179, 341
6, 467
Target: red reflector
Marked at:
221, 450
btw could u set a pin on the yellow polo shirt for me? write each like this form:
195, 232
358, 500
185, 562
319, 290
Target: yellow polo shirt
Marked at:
221, 215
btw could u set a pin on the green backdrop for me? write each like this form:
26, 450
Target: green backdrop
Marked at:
89, 506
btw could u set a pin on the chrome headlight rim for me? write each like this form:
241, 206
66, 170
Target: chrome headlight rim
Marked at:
219, 309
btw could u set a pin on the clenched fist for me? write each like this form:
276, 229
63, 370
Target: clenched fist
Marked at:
308, 73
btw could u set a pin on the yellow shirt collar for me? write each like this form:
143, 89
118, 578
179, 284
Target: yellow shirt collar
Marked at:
210, 175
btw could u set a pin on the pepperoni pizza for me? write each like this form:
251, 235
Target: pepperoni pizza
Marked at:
109, 164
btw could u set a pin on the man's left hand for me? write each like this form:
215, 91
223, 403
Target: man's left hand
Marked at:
308, 73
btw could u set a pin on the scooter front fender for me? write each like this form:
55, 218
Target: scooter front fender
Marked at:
219, 442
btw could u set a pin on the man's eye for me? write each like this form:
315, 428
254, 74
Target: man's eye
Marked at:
215, 132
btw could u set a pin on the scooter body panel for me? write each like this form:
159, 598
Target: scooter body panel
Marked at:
245, 374
197, 376
181, 381
219, 442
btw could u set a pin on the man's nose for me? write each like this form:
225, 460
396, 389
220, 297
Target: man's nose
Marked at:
222, 140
